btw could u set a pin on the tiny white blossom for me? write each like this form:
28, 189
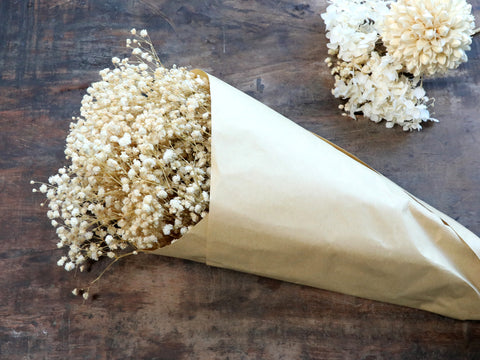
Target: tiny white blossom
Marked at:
197, 135
61, 261
167, 229
162, 194
125, 140
169, 155
109, 239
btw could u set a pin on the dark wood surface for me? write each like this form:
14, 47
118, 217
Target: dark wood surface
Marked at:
150, 307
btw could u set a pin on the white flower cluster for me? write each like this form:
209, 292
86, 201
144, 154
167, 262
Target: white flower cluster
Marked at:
352, 27
365, 76
140, 160
375, 43
379, 91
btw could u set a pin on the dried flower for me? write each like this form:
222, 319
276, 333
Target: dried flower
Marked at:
369, 79
429, 36
140, 160
352, 27
377, 90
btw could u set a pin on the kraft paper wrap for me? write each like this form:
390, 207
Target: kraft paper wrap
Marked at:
289, 205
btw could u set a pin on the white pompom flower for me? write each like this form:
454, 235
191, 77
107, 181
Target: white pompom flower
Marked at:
428, 37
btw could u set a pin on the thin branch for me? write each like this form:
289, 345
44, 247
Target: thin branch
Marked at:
110, 265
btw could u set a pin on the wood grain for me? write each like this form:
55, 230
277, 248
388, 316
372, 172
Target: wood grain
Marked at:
149, 307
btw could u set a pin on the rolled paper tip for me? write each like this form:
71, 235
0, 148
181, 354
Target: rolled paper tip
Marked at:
289, 205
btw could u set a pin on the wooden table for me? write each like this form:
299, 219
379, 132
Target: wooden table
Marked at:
150, 307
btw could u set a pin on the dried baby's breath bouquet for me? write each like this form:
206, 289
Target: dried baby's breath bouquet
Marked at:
169, 162
381, 50
139, 175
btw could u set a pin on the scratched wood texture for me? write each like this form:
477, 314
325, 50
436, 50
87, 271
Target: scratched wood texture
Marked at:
150, 307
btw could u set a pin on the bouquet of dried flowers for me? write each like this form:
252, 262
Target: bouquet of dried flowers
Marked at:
178, 163
381, 50
139, 176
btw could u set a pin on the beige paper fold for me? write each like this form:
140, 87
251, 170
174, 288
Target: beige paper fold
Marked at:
192, 246
289, 205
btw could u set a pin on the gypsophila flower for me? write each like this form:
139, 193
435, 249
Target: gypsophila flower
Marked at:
429, 36
61, 261
140, 160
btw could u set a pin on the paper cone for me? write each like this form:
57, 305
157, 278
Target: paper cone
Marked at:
289, 205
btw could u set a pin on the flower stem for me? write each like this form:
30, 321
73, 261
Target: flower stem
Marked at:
476, 32
108, 267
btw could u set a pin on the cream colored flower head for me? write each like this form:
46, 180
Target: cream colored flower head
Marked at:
428, 36
140, 160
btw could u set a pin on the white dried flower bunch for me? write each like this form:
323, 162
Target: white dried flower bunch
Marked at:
430, 36
378, 91
379, 54
140, 160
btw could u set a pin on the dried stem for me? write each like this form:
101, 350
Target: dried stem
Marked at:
87, 290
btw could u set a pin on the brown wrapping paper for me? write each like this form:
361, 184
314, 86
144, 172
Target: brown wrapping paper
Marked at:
289, 205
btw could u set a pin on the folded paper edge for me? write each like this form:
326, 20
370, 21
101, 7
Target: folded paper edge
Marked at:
191, 246
460, 231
